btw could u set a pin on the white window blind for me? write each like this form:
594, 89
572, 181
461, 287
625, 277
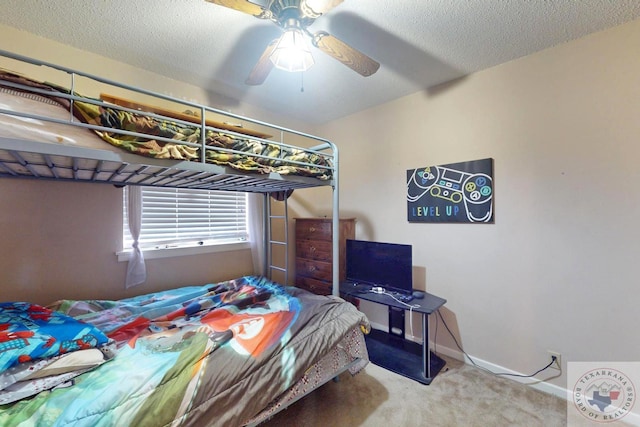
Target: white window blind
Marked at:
178, 217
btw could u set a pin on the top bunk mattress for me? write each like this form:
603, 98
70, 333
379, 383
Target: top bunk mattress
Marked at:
44, 127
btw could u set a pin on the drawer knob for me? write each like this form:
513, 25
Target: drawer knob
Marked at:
312, 268
312, 249
312, 229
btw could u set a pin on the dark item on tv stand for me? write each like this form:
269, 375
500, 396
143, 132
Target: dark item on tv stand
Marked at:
391, 350
418, 294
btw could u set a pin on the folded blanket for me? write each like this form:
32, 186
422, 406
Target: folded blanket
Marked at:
27, 379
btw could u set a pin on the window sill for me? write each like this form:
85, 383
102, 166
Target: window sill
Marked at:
184, 251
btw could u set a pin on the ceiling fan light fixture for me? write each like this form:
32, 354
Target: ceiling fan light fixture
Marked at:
292, 52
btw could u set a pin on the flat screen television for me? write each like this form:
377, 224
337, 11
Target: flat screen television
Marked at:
380, 264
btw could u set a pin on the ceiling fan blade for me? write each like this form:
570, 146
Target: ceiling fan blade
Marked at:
352, 58
241, 5
315, 8
264, 66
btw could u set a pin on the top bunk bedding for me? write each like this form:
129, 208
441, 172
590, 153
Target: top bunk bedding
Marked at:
51, 131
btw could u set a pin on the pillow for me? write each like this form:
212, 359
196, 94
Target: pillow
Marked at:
29, 332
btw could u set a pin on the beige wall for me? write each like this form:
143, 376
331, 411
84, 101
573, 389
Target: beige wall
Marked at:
59, 240
53, 242
558, 269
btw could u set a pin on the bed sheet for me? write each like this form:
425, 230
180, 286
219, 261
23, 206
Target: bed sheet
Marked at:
349, 354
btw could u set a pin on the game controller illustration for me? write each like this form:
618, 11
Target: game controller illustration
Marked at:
472, 192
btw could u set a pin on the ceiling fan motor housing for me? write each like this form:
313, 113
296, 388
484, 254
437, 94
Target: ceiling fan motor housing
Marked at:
286, 12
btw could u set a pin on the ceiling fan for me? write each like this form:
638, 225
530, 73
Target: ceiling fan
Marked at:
290, 51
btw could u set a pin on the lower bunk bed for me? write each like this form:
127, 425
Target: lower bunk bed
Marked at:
229, 354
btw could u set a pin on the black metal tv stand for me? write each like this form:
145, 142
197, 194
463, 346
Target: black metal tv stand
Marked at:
391, 350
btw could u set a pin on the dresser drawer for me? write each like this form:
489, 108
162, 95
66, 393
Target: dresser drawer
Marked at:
313, 229
320, 250
313, 285
314, 252
314, 269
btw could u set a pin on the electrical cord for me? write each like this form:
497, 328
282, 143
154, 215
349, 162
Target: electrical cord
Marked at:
381, 291
482, 367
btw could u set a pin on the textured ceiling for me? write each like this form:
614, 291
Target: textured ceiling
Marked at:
419, 43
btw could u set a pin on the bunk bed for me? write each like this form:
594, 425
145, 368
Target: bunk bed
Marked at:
131, 136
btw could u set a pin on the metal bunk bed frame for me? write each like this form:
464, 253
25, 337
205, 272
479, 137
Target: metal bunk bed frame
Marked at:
22, 159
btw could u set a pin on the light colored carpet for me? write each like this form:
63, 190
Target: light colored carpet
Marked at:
461, 395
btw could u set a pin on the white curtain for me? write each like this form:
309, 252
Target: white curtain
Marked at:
136, 270
256, 231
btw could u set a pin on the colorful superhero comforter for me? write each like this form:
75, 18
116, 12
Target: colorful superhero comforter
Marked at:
226, 149
202, 355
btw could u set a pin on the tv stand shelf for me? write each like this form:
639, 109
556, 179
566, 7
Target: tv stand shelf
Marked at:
391, 350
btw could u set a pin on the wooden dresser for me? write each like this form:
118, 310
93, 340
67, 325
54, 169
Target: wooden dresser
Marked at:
314, 270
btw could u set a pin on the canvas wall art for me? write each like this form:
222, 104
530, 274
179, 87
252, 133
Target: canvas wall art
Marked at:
456, 192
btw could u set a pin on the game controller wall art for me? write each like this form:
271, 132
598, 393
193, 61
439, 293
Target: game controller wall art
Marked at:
457, 192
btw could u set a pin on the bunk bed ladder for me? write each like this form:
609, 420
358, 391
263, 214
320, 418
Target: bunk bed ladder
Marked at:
280, 262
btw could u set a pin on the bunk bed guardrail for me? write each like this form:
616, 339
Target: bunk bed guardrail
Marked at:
22, 158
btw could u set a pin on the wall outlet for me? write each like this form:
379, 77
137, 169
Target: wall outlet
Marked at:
558, 359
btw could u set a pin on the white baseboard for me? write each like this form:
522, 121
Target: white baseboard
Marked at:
632, 419
538, 384
458, 355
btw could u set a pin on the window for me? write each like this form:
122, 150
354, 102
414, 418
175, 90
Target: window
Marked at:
185, 218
